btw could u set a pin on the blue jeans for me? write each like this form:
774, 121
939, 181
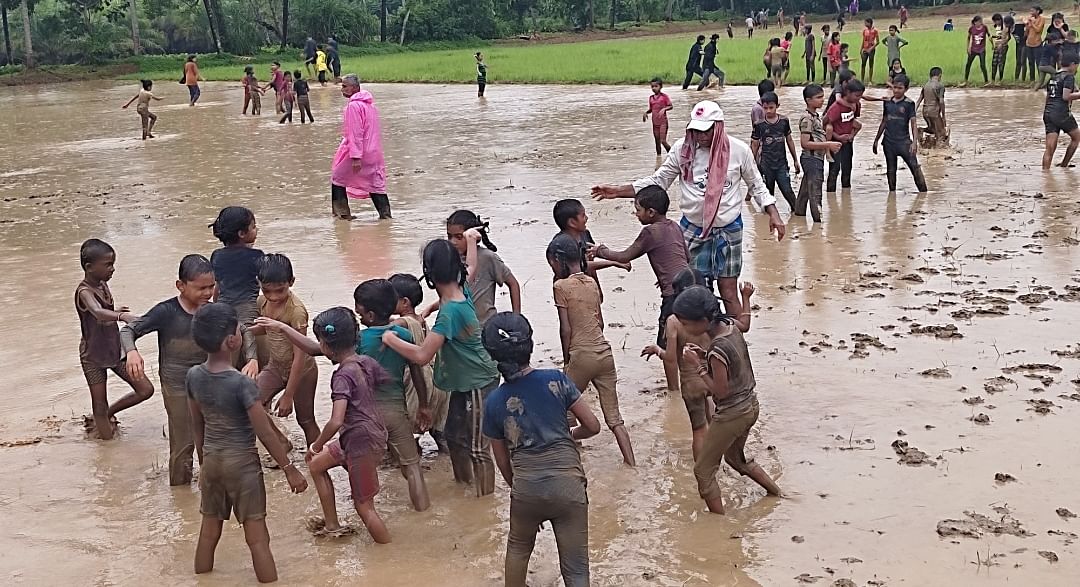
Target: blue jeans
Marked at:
194, 92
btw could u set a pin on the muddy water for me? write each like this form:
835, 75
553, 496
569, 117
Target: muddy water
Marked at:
86, 512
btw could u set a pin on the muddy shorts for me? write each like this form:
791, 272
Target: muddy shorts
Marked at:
256, 100
363, 471
464, 422
399, 432
697, 407
1059, 124
725, 441
718, 253
597, 367
667, 308
660, 130
98, 375
232, 483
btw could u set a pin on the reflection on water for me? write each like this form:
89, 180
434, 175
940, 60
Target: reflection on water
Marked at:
74, 169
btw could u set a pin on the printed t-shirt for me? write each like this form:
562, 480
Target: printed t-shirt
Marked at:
773, 137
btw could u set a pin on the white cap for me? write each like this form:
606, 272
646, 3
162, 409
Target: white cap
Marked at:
704, 114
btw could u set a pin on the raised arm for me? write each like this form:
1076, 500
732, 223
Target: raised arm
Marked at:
742, 321
664, 176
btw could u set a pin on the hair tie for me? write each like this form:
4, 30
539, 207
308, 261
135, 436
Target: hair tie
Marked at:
329, 329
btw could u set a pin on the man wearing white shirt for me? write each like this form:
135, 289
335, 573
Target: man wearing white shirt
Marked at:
711, 205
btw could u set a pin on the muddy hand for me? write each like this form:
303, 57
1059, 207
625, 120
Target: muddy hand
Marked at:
423, 419
251, 369
284, 407
650, 351
473, 234
135, 365
692, 354
747, 289
296, 479
268, 323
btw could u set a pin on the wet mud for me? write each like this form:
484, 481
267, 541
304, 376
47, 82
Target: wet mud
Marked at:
949, 317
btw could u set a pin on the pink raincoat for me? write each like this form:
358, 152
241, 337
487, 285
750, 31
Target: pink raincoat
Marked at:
361, 140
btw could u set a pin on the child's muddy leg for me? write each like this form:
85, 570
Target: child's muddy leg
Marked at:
418, 492
142, 389
374, 524
525, 520
181, 443
99, 405
209, 534
258, 540
319, 467
304, 406
570, 522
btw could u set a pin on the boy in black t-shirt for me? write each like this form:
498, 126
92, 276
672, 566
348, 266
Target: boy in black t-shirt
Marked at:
898, 126
768, 142
1060, 92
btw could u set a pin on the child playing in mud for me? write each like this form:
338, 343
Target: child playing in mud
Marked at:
1057, 116
586, 353
481, 74
659, 106
303, 101
99, 347
359, 447
768, 142
842, 125
245, 83
376, 300
410, 296
898, 127
536, 452
320, 65
486, 269
662, 240
149, 119
572, 220
226, 416
285, 370
682, 379
287, 99
932, 102
252, 91
236, 263
178, 352
815, 148
463, 368
724, 366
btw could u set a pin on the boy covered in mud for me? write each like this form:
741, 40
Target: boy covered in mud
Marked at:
662, 240
99, 348
932, 102
410, 296
226, 416
814, 151
571, 219
770, 142
898, 127
1057, 115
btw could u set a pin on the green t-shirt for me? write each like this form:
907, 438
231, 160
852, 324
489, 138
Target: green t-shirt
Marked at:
370, 343
462, 363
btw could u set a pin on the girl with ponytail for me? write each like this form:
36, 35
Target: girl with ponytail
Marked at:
486, 269
525, 418
462, 366
725, 369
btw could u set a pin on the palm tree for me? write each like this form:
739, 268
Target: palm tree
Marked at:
135, 42
28, 48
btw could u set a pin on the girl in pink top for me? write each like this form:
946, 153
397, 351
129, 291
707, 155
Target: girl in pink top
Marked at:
359, 170
659, 106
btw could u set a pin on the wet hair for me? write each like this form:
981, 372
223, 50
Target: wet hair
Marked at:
657, 81
698, 303
770, 98
653, 197
568, 252
147, 84
230, 221
298, 74
566, 210
852, 87
408, 286
443, 264
901, 80
812, 91
468, 219
700, 38
275, 268
686, 279
212, 324
92, 250
507, 337
378, 296
336, 328
194, 266
935, 71
765, 85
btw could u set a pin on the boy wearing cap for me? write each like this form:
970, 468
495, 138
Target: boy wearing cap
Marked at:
709, 67
712, 168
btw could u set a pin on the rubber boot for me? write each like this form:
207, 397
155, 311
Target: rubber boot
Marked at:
341, 208
382, 205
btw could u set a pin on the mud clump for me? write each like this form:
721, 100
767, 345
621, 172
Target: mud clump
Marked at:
946, 331
1004, 478
976, 525
1032, 298
910, 455
1069, 352
863, 341
974, 400
844, 583
936, 373
1041, 406
1064, 513
998, 384
1032, 367
982, 419
1049, 555
912, 277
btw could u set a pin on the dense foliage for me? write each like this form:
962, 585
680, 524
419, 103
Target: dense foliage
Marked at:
91, 31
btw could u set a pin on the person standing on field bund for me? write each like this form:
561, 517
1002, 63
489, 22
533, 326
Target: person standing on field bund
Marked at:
359, 169
711, 167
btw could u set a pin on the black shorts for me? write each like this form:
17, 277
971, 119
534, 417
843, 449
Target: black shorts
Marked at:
1059, 124
322, 77
667, 305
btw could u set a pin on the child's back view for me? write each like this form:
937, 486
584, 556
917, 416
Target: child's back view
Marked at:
410, 296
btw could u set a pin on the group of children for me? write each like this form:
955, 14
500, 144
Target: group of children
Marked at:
235, 337
290, 90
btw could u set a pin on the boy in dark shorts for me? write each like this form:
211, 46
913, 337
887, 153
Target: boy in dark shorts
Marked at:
768, 142
898, 127
1057, 116
99, 348
226, 416
662, 240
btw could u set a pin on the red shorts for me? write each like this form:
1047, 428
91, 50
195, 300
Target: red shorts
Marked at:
363, 472
659, 130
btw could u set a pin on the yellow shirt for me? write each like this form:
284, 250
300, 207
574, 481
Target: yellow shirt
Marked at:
320, 61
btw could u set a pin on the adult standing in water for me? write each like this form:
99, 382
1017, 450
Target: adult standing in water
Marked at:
334, 57
693, 61
192, 79
309, 54
711, 167
359, 170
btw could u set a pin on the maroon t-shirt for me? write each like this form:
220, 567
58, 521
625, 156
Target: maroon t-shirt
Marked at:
842, 117
978, 38
355, 381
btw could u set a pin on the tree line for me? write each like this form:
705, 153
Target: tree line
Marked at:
94, 31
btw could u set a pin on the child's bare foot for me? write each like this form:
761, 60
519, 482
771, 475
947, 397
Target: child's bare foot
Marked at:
318, 527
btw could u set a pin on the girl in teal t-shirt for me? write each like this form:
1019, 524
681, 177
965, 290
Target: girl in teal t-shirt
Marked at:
462, 366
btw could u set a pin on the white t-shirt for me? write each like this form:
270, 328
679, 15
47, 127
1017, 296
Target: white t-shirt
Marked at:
742, 171
749, 23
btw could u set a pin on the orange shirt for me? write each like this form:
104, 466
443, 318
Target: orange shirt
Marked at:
1034, 29
191, 74
869, 39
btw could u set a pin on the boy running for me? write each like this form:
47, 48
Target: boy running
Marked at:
898, 127
768, 142
1060, 92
